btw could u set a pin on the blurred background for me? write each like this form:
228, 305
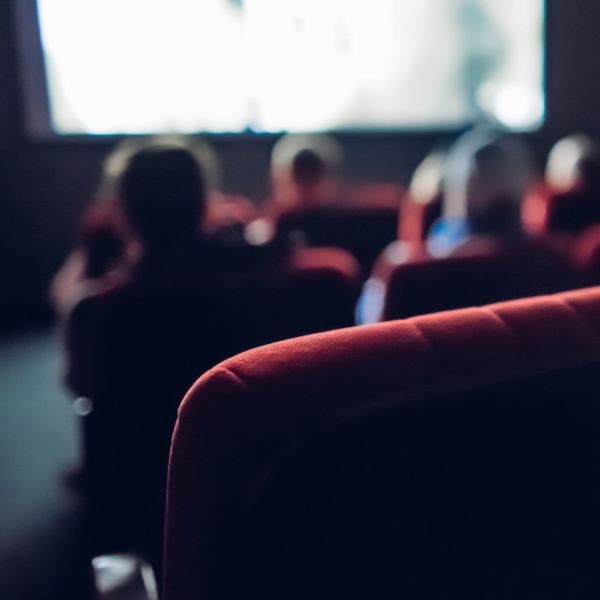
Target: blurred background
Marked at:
393, 85
45, 182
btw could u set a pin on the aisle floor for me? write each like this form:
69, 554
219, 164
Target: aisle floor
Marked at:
41, 552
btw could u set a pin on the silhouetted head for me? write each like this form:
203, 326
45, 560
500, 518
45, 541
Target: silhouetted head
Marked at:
573, 161
308, 167
487, 178
304, 169
117, 160
163, 194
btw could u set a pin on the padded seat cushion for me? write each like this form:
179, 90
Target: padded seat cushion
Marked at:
237, 416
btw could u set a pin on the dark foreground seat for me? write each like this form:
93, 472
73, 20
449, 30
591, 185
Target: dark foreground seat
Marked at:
135, 350
454, 455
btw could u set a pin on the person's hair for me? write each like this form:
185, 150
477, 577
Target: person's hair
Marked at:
573, 160
307, 156
308, 167
486, 181
588, 169
163, 194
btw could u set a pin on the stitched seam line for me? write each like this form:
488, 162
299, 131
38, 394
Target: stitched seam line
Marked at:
585, 322
428, 343
236, 376
505, 324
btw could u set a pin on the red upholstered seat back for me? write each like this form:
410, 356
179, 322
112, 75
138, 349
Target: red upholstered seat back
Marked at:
572, 212
586, 254
406, 418
388, 195
480, 276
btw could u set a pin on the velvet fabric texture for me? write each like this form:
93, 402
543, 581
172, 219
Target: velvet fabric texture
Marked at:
238, 416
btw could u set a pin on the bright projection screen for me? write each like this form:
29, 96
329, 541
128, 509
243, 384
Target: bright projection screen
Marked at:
153, 66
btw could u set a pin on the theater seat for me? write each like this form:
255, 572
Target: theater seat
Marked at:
407, 282
572, 212
586, 254
377, 195
454, 455
362, 231
135, 349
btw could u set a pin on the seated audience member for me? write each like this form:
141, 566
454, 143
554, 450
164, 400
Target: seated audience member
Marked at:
182, 303
309, 205
105, 244
100, 250
573, 178
102, 244
163, 198
562, 166
304, 173
487, 177
478, 251
160, 195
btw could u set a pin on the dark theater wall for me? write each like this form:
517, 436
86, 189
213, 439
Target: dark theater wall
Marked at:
43, 186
